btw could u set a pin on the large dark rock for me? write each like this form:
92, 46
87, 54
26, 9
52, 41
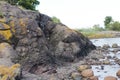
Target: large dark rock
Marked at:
64, 43
38, 40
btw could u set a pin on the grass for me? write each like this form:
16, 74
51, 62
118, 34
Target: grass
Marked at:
93, 33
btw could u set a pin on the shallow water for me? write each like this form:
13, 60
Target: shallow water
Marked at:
109, 70
110, 41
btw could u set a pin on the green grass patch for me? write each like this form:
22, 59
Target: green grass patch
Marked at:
93, 33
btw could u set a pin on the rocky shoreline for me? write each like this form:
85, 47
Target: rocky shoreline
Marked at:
32, 44
89, 67
33, 47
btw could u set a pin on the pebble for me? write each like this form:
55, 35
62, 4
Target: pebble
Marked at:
110, 78
87, 73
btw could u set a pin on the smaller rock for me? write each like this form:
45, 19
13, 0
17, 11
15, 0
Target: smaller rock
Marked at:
106, 46
87, 73
115, 45
76, 76
85, 78
93, 78
118, 73
83, 67
102, 67
106, 62
29, 76
6, 50
116, 50
110, 78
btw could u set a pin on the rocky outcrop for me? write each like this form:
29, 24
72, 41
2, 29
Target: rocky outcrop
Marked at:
37, 40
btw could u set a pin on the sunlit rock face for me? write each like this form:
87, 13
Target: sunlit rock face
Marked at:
37, 40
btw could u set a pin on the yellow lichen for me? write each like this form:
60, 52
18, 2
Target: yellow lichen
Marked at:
7, 32
6, 26
5, 77
23, 23
9, 72
12, 25
3, 20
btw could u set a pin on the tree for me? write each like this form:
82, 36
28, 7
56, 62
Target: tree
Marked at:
115, 26
108, 20
27, 4
56, 20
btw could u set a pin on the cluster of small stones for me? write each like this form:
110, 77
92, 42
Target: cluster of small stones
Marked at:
85, 72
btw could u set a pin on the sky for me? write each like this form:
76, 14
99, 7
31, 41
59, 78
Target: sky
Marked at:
81, 13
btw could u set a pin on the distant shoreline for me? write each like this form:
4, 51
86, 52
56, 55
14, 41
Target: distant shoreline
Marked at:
101, 34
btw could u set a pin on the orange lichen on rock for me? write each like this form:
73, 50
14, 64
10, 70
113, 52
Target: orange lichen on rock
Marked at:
9, 72
3, 20
6, 32
23, 23
5, 77
12, 25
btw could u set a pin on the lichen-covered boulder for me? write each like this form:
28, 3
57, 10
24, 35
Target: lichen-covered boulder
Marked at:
37, 40
7, 53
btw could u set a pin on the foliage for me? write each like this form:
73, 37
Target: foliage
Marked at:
97, 28
27, 4
115, 26
95, 33
56, 20
108, 20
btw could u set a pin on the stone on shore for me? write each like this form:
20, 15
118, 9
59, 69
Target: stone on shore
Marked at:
83, 67
110, 78
87, 73
118, 73
93, 78
115, 45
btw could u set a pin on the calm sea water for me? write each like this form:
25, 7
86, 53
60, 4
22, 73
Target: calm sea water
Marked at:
109, 70
110, 41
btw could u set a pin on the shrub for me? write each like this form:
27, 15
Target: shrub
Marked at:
115, 26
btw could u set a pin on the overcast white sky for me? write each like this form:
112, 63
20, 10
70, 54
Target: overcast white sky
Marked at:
81, 13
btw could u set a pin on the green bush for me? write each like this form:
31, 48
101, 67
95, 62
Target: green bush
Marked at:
56, 20
115, 26
27, 4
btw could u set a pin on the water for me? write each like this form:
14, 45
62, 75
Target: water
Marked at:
109, 70
110, 41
